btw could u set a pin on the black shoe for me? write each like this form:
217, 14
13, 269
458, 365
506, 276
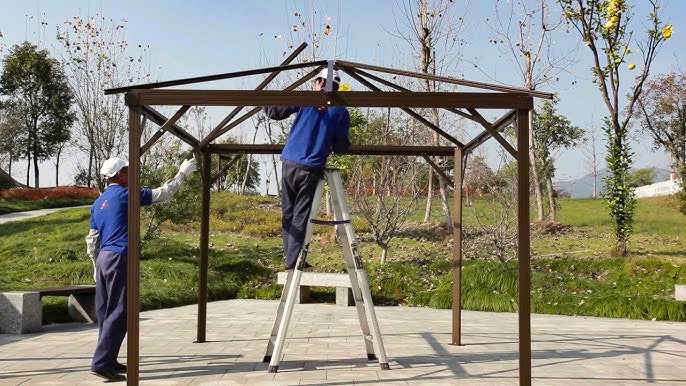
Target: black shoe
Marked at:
109, 376
119, 368
305, 266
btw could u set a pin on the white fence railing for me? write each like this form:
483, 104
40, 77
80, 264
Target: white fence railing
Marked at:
663, 188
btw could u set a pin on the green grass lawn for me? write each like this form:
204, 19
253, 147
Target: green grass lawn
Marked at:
572, 271
15, 205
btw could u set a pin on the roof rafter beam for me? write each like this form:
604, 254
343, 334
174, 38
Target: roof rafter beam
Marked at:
213, 134
255, 110
401, 88
461, 82
411, 112
208, 78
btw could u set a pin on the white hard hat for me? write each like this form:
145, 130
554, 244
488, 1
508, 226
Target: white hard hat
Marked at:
325, 72
112, 166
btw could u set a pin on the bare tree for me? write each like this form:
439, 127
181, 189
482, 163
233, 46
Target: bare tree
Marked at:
523, 32
58, 153
496, 219
590, 150
554, 132
96, 58
385, 189
433, 36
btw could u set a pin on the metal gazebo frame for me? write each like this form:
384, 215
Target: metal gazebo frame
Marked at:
518, 102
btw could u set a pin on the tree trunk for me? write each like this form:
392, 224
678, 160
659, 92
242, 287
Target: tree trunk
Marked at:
35, 169
621, 248
276, 176
90, 167
57, 168
384, 253
247, 174
429, 195
552, 213
444, 203
448, 219
535, 178
28, 169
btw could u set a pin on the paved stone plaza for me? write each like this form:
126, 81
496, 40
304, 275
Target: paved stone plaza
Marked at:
325, 347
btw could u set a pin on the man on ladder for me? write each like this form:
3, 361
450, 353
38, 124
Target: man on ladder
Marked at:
315, 132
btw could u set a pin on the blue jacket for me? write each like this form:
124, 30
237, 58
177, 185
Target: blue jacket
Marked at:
109, 215
316, 132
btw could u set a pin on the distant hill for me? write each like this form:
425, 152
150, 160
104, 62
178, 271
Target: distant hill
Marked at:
583, 187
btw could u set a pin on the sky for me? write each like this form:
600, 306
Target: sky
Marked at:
192, 38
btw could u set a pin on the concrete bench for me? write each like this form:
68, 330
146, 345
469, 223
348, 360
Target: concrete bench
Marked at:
680, 292
344, 293
21, 312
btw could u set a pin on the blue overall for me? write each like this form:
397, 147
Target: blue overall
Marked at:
109, 215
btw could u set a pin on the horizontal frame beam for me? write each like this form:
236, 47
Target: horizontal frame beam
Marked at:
317, 98
237, 148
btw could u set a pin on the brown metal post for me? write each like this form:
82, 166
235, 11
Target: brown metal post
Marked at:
457, 250
204, 245
134, 249
524, 247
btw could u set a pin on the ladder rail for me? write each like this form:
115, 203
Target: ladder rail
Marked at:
344, 237
359, 279
295, 283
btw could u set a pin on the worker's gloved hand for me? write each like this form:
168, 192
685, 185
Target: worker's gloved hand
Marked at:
188, 166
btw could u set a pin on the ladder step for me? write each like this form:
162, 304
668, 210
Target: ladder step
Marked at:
329, 222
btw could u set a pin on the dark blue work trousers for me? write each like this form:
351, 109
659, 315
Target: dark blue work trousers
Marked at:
110, 300
299, 183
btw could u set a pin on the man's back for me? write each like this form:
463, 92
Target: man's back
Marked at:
315, 133
109, 215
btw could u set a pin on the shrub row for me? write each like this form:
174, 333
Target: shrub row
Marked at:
34, 194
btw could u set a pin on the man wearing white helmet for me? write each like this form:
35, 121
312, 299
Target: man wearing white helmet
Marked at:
107, 244
316, 132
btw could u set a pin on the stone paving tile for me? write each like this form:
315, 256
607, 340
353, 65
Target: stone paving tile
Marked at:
324, 346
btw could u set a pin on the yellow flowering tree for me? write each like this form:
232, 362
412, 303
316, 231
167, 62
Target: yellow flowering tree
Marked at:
605, 28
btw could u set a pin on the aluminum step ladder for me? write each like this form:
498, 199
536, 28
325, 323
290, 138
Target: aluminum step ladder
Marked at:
358, 278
